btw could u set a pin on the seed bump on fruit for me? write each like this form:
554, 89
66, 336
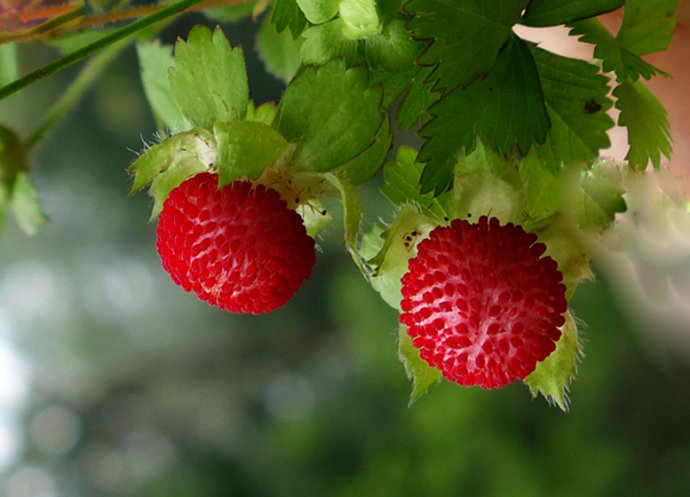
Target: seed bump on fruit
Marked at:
481, 303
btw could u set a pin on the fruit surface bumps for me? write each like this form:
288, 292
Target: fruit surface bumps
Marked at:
239, 248
480, 302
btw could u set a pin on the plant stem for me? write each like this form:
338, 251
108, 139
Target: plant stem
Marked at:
88, 75
109, 39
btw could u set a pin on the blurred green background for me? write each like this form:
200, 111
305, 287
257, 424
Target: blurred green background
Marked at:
114, 382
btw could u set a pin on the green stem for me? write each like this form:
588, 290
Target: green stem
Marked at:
87, 76
109, 39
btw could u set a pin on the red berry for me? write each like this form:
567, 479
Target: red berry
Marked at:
481, 304
239, 248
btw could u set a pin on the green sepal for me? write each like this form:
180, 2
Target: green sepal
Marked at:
553, 375
314, 217
599, 197
155, 60
209, 78
326, 41
245, 149
364, 166
360, 18
542, 13
172, 161
400, 244
26, 205
649, 133
279, 51
264, 113
418, 371
402, 184
318, 11
331, 114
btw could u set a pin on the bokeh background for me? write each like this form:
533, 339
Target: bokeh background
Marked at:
115, 383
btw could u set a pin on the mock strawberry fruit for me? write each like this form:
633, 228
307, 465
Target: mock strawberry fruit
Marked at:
481, 303
239, 248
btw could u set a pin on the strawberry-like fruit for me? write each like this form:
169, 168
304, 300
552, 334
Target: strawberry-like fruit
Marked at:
239, 248
481, 303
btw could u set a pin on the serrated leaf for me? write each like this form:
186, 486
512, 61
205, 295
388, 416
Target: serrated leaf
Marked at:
364, 166
9, 66
649, 133
506, 109
418, 371
465, 36
400, 242
647, 25
245, 149
209, 78
416, 101
402, 184
330, 114
155, 60
278, 51
26, 205
553, 375
613, 54
577, 103
326, 42
541, 13
318, 11
286, 13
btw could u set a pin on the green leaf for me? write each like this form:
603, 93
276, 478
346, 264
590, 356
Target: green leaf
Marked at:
649, 133
245, 149
400, 244
553, 375
540, 13
417, 100
155, 60
326, 42
543, 196
647, 25
209, 78
613, 54
318, 11
331, 114
364, 166
599, 197
279, 52
465, 36
264, 113
577, 104
393, 49
360, 18
172, 161
418, 371
402, 184
9, 64
286, 13
26, 206
506, 109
